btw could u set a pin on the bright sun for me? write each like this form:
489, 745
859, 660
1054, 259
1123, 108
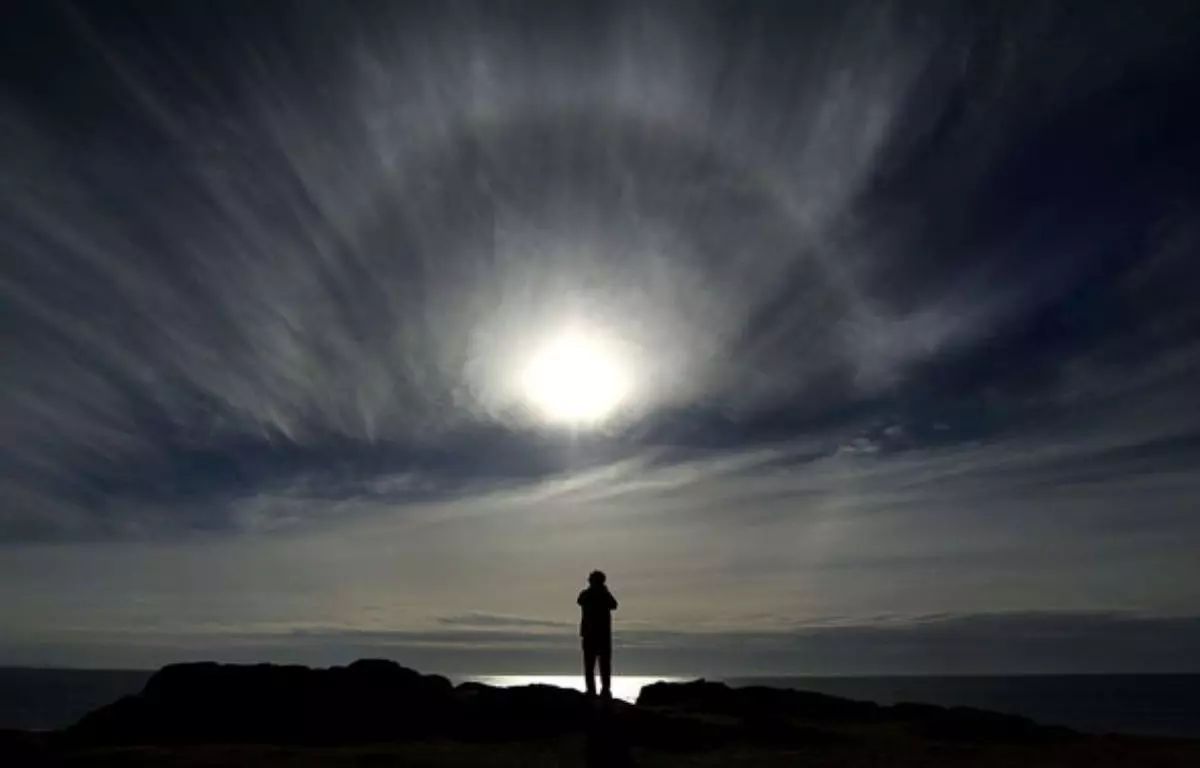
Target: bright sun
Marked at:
577, 378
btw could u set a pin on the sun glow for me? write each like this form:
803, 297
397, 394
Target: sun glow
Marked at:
577, 378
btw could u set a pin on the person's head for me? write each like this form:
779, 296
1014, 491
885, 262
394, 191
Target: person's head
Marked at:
597, 578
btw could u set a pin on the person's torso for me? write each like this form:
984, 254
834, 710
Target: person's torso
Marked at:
596, 611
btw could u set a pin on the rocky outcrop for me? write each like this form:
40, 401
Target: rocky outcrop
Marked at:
370, 700
757, 701
487, 713
755, 706
373, 701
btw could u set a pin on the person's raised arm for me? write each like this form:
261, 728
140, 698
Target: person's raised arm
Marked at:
612, 602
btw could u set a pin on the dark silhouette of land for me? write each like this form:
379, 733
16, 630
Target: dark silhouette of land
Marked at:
377, 712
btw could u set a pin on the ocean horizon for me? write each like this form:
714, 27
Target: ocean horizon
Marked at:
1150, 705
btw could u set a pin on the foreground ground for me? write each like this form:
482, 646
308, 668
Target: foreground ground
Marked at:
377, 713
1098, 753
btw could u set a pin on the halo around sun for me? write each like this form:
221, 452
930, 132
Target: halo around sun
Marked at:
576, 378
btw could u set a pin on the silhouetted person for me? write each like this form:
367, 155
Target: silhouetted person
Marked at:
595, 627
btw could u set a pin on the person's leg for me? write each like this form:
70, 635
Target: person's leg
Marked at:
589, 667
606, 669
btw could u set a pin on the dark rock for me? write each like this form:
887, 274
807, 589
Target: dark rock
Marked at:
21, 745
381, 701
756, 701
969, 725
676, 733
191, 703
608, 738
771, 714
484, 713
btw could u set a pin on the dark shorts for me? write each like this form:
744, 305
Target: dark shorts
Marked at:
597, 646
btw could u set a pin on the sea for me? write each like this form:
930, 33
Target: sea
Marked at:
1152, 705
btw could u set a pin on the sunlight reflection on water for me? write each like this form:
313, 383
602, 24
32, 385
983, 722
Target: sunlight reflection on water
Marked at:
624, 687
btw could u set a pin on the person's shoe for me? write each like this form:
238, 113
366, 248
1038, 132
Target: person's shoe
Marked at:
606, 695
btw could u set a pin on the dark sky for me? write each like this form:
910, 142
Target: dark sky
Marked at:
847, 337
